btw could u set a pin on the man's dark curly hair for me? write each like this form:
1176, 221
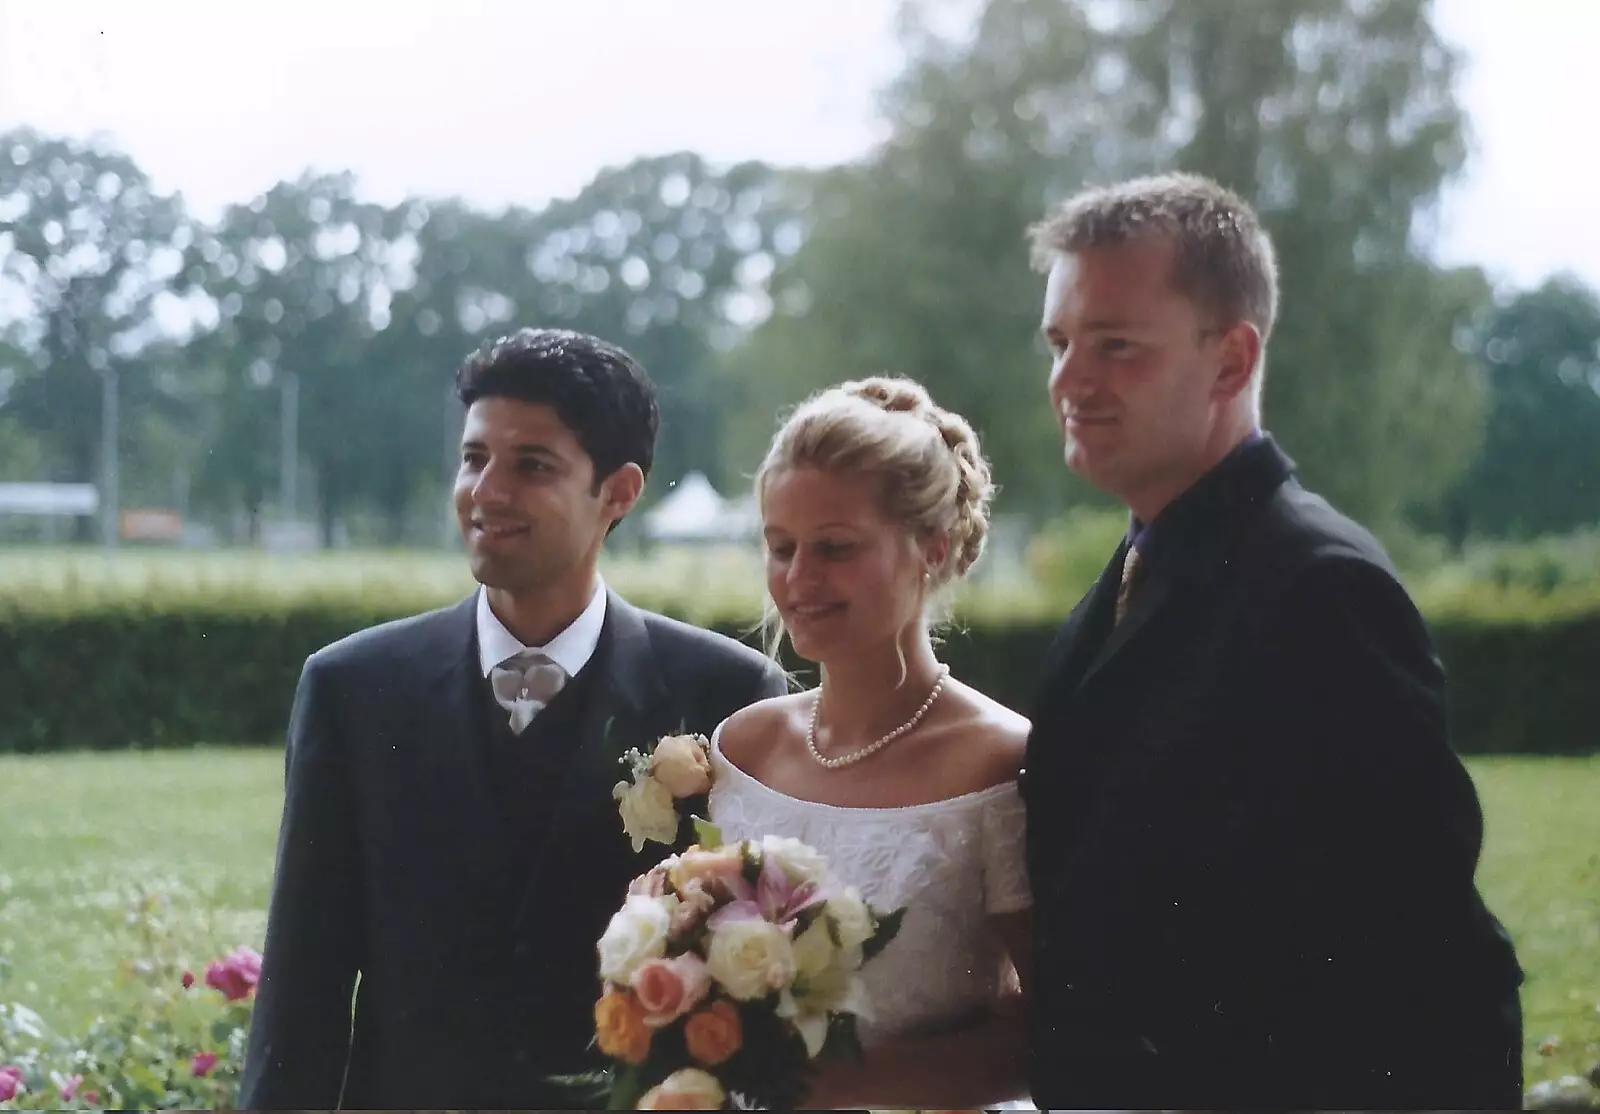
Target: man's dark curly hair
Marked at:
601, 392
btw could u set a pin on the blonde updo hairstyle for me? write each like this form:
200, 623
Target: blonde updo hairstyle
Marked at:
930, 473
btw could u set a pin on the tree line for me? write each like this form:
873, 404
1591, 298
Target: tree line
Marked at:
1410, 393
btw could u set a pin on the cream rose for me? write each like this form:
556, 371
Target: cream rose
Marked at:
852, 917
680, 763
801, 862
750, 958
723, 865
637, 932
686, 1089
647, 812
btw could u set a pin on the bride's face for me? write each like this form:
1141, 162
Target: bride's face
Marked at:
845, 579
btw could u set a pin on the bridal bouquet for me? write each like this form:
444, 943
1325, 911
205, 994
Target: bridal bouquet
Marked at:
727, 971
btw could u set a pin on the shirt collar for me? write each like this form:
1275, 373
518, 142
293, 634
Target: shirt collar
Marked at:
571, 649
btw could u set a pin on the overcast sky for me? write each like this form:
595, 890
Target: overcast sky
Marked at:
504, 102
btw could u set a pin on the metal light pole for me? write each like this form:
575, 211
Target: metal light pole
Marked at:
109, 473
289, 446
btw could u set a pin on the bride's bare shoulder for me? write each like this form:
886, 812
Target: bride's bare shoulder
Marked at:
998, 738
752, 728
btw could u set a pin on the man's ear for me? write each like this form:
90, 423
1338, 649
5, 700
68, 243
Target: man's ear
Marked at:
621, 490
1240, 348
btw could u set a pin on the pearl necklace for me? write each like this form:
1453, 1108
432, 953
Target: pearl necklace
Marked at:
873, 748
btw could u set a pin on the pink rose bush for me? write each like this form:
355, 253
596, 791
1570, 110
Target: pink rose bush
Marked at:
235, 974
726, 972
202, 1063
190, 1038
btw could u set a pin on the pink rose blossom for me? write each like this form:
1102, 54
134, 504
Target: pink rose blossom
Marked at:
69, 1088
694, 902
652, 883
235, 974
202, 1064
188, 979
92, 1098
670, 988
10, 1082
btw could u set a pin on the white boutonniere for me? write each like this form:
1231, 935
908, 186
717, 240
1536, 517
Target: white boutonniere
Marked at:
676, 769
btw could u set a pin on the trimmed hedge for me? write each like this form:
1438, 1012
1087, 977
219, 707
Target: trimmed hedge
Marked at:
128, 676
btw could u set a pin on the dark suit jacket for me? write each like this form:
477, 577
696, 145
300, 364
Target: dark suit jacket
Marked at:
402, 874
1251, 845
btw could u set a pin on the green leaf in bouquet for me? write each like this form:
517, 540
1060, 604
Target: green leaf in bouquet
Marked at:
592, 1086
770, 1071
627, 1088
706, 834
751, 856
888, 929
843, 1041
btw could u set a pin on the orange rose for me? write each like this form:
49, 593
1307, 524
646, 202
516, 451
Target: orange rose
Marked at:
713, 1034
619, 1027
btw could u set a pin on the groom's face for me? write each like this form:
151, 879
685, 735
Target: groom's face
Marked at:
529, 509
1132, 369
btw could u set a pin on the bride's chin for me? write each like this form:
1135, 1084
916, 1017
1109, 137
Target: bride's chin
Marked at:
809, 650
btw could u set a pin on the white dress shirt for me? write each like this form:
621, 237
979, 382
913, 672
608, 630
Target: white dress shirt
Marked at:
571, 649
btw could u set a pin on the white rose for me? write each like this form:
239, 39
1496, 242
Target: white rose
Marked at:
851, 917
637, 932
647, 812
802, 862
822, 969
685, 1089
751, 958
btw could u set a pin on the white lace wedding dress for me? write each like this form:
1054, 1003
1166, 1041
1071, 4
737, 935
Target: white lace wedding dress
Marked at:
951, 864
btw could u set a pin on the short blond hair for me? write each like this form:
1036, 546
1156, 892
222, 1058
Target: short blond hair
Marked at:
1224, 261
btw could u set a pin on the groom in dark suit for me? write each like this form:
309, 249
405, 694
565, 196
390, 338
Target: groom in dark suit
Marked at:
450, 850
1251, 845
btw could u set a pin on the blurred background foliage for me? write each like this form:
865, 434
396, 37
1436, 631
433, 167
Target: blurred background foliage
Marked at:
1418, 398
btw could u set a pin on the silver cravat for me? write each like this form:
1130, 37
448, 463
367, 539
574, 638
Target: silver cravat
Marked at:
524, 683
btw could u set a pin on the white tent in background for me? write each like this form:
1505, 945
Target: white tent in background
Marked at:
65, 500
694, 512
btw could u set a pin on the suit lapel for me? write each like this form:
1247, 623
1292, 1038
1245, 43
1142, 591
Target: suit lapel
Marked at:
1080, 636
1146, 603
624, 709
448, 726
1198, 531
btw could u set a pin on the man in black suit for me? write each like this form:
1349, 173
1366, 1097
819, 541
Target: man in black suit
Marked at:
450, 849
1251, 845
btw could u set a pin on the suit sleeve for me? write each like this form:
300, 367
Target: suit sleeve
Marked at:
300, 1034
772, 682
1378, 903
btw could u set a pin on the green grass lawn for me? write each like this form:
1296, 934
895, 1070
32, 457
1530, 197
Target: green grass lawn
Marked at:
84, 838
